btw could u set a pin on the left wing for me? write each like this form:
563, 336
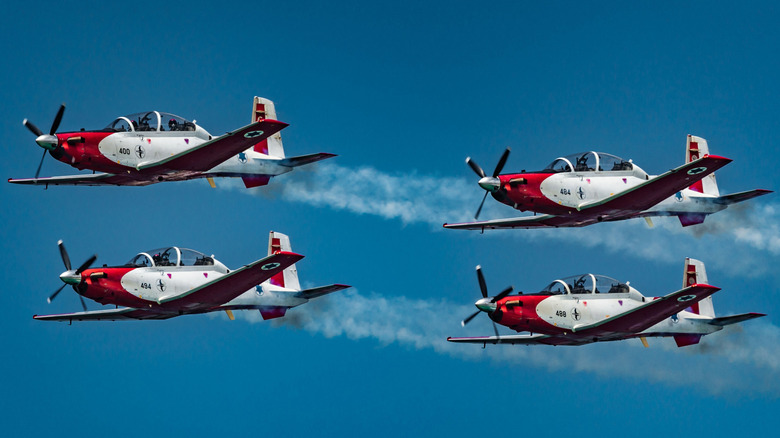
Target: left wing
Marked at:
510, 339
646, 315
120, 314
305, 159
207, 155
229, 286
654, 190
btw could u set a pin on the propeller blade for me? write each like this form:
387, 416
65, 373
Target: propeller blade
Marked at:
86, 264
57, 119
481, 279
476, 216
34, 129
469, 318
503, 293
495, 329
475, 167
83, 304
38, 171
501, 162
54, 295
64, 254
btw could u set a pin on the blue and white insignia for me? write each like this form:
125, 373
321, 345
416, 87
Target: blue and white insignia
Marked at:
581, 193
253, 134
242, 157
697, 170
685, 298
678, 197
139, 151
269, 266
161, 285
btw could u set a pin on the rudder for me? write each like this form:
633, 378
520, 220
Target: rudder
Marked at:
263, 108
695, 273
289, 277
695, 148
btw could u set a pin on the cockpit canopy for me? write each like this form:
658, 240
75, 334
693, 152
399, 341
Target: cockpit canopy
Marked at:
585, 284
589, 162
171, 256
150, 121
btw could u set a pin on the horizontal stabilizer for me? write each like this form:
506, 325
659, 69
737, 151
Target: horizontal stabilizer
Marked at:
322, 290
733, 319
741, 196
304, 159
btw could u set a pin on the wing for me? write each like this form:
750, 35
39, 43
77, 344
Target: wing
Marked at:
653, 191
536, 339
231, 285
93, 179
541, 221
741, 196
647, 315
120, 314
322, 290
733, 319
207, 155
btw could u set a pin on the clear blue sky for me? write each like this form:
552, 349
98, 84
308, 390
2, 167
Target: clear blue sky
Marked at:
403, 92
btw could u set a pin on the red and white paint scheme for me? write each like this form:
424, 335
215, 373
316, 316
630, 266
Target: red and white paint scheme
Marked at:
593, 308
169, 282
590, 187
152, 146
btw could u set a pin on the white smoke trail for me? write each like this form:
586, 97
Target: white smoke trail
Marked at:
721, 362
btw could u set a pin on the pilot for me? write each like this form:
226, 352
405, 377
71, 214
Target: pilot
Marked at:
173, 125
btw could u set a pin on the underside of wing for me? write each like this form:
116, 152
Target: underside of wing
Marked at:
734, 319
640, 318
120, 314
541, 221
305, 159
94, 179
741, 196
207, 155
229, 286
653, 191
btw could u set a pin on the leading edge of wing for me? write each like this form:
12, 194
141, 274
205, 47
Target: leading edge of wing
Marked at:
231, 285
509, 339
655, 190
649, 314
207, 155
120, 314
541, 221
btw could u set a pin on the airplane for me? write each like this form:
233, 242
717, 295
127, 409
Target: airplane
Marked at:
150, 147
590, 187
174, 281
594, 308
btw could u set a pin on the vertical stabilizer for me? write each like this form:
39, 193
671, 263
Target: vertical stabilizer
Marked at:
695, 273
263, 108
696, 147
289, 277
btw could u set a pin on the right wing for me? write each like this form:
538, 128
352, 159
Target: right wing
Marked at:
207, 155
536, 339
92, 179
120, 314
541, 221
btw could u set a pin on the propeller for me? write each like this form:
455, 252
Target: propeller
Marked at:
48, 142
71, 277
487, 303
489, 183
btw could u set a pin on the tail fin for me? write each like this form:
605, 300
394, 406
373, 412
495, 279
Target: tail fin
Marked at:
696, 148
289, 277
695, 273
263, 108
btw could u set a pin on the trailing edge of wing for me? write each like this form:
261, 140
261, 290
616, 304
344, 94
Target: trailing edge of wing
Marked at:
733, 319
94, 179
305, 159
